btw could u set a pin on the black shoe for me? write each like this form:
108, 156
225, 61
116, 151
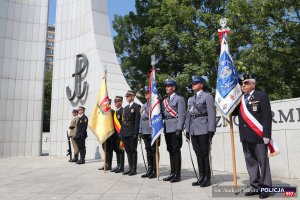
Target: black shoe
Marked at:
119, 170
145, 175
248, 194
108, 167
80, 162
196, 183
152, 175
74, 159
169, 177
127, 172
176, 178
206, 182
101, 168
264, 195
132, 173
115, 168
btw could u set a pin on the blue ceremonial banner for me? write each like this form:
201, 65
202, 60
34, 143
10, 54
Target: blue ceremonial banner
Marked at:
228, 91
156, 114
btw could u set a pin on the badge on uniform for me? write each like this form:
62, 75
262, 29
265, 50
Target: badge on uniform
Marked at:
80, 121
118, 116
132, 110
254, 107
85, 120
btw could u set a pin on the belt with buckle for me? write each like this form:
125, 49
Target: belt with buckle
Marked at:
199, 115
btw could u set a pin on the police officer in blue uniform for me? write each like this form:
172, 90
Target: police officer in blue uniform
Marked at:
174, 113
201, 126
146, 133
81, 134
130, 131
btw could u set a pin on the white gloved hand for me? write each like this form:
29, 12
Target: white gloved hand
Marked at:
266, 140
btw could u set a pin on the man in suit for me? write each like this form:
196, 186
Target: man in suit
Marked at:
72, 134
146, 133
130, 131
81, 134
201, 126
256, 105
174, 111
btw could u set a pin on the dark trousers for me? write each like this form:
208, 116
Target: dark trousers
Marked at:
201, 146
112, 144
130, 144
174, 145
257, 162
151, 151
81, 146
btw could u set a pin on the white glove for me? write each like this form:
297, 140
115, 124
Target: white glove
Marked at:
266, 140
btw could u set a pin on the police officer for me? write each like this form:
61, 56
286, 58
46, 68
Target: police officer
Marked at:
146, 132
130, 131
72, 134
81, 134
118, 145
201, 126
174, 111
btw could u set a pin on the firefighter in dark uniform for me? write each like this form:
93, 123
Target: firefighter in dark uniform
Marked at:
130, 131
201, 126
118, 145
81, 134
146, 133
174, 111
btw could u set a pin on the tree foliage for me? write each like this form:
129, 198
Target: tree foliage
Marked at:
183, 35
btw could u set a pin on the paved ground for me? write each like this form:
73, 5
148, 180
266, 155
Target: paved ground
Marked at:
55, 178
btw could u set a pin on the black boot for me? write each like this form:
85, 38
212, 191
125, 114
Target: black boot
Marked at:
109, 156
200, 167
118, 163
82, 157
153, 174
134, 164
129, 156
177, 176
172, 168
121, 167
206, 179
150, 166
75, 159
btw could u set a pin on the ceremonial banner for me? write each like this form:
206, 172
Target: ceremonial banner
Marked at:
228, 91
101, 121
155, 112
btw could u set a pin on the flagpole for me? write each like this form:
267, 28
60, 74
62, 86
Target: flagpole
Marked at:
105, 157
157, 160
233, 153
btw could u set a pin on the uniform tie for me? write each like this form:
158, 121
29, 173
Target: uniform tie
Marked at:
246, 98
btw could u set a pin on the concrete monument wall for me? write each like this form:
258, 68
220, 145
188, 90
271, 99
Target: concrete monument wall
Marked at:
23, 26
82, 27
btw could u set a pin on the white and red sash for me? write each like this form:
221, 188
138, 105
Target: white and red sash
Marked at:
257, 128
169, 109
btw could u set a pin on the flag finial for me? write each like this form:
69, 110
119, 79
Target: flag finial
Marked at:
223, 22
